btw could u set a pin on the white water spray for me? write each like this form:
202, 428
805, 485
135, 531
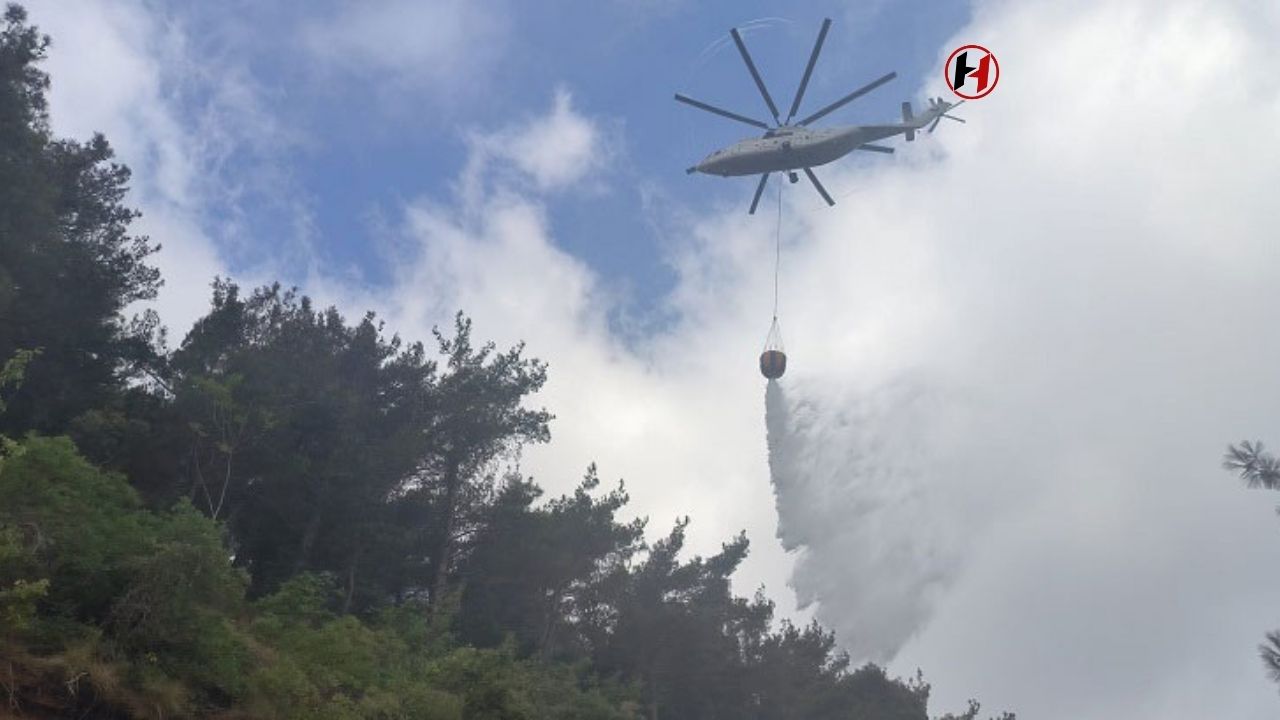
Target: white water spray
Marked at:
851, 475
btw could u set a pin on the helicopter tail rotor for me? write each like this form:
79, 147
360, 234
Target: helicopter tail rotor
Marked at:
941, 108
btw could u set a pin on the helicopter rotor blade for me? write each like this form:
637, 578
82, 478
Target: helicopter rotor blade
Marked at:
808, 70
817, 185
877, 148
755, 74
849, 98
721, 112
934, 125
755, 200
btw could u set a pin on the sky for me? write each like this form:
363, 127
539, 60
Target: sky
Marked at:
1017, 347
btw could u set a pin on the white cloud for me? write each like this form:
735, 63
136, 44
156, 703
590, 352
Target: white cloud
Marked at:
448, 46
555, 151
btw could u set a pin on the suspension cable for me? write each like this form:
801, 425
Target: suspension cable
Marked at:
777, 257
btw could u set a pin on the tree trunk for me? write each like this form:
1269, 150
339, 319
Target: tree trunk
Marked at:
550, 614
308, 541
351, 582
653, 696
444, 553
226, 481
544, 645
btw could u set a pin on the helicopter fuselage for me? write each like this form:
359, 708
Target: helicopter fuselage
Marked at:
792, 148
787, 147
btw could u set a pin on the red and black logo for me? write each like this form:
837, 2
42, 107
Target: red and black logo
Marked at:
972, 72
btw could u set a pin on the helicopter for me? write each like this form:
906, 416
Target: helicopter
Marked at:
788, 146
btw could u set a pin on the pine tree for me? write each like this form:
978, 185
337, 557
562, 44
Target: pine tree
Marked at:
68, 265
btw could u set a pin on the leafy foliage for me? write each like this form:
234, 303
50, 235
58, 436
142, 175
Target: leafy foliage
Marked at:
532, 569
299, 429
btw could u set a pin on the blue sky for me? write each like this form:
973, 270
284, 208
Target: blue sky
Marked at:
361, 144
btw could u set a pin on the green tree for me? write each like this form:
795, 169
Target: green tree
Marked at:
531, 566
68, 265
480, 418
111, 589
672, 626
301, 430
